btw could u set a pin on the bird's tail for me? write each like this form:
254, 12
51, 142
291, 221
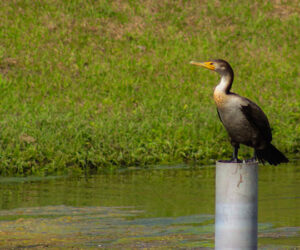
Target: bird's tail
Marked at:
271, 155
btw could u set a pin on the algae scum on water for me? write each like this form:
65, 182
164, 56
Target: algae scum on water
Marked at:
171, 207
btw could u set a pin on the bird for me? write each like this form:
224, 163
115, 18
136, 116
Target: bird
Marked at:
243, 119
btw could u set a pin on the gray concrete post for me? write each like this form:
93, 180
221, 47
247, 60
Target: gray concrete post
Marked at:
236, 206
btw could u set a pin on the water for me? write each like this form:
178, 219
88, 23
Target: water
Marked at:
169, 207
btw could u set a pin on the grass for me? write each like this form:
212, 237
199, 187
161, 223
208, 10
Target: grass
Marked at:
94, 84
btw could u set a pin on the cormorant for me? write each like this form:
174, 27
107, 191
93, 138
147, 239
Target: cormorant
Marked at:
244, 120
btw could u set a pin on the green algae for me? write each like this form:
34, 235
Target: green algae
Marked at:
165, 208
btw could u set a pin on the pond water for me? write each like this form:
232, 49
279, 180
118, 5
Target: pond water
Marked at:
162, 208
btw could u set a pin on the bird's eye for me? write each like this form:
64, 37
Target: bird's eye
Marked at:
211, 63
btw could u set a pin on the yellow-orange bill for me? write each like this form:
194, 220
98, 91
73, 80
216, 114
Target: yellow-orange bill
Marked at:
208, 65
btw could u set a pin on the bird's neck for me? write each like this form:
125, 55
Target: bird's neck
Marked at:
225, 84
222, 90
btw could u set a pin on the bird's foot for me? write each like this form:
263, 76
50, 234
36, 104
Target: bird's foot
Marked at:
253, 159
234, 160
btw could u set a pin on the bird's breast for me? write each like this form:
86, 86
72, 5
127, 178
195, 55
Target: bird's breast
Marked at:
220, 98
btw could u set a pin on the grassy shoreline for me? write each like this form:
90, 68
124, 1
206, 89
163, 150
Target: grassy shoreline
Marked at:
88, 85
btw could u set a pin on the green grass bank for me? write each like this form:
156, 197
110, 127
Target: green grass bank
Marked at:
95, 84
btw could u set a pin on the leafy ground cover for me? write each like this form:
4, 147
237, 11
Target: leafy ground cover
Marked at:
93, 84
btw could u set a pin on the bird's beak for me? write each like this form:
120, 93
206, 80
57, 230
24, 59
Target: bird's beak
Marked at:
208, 65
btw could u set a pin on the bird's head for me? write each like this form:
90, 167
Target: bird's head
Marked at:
217, 65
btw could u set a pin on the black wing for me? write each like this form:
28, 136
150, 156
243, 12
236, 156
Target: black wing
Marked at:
257, 118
